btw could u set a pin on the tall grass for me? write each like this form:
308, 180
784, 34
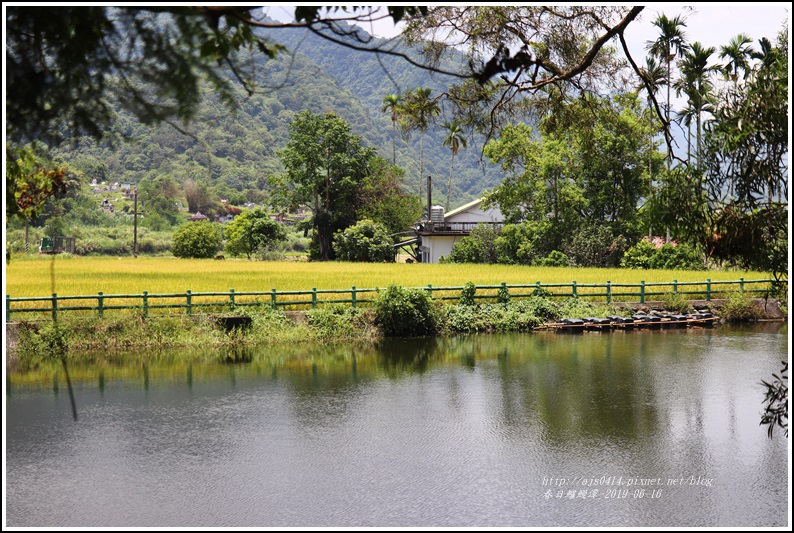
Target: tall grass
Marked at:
127, 275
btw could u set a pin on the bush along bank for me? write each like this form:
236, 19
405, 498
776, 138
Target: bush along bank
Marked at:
396, 312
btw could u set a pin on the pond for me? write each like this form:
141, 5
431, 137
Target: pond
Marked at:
644, 428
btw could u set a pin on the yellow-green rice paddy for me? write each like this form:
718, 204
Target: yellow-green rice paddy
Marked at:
127, 275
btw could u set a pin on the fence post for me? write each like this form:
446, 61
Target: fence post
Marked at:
273, 298
145, 304
741, 284
353, 296
642, 291
708, 289
314, 297
231, 296
675, 285
430, 291
609, 292
100, 302
8, 308
54, 306
189, 302
573, 289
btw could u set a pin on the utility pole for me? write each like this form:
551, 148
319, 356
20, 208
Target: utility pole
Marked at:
429, 198
135, 223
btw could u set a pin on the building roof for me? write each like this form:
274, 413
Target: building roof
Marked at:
464, 207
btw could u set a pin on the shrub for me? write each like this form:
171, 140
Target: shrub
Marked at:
478, 247
337, 322
679, 257
554, 259
639, 255
503, 295
467, 294
739, 308
367, 241
488, 317
542, 307
197, 240
402, 312
677, 303
523, 243
595, 246
466, 250
540, 292
577, 308
253, 233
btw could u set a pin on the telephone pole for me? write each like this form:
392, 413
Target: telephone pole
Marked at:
135, 223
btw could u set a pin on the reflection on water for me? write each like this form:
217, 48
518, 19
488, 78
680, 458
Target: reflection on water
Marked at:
457, 431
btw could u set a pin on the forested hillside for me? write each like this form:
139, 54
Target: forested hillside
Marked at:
240, 148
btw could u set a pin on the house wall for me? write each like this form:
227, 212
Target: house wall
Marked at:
475, 214
438, 246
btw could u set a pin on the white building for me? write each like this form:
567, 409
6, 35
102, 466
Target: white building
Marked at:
437, 237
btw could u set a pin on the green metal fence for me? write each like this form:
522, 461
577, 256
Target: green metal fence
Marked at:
189, 302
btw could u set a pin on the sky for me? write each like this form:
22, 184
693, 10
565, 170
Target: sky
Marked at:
710, 23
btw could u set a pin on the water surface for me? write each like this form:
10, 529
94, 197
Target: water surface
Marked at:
646, 428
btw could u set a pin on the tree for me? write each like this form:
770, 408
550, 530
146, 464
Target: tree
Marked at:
30, 181
696, 84
367, 241
670, 44
158, 197
253, 232
200, 197
653, 78
381, 198
419, 112
586, 167
391, 105
559, 51
61, 62
327, 164
198, 240
478, 247
746, 149
738, 52
776, 402
456, 140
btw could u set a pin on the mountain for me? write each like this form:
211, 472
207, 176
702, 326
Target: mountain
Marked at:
240, 148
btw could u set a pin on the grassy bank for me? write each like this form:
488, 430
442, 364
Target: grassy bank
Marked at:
83, 337
397, 312
127, 275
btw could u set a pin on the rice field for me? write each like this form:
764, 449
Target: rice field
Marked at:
157, 275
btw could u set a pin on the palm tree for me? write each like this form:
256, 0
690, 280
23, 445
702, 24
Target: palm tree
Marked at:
738, 51
686, 117
697, 85
670, 43
391, 105
653, 74
455, 140
419, 112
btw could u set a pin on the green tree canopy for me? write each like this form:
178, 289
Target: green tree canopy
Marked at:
199, 240
382, 198
30, 181
327, 165
367, 241
253, 232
